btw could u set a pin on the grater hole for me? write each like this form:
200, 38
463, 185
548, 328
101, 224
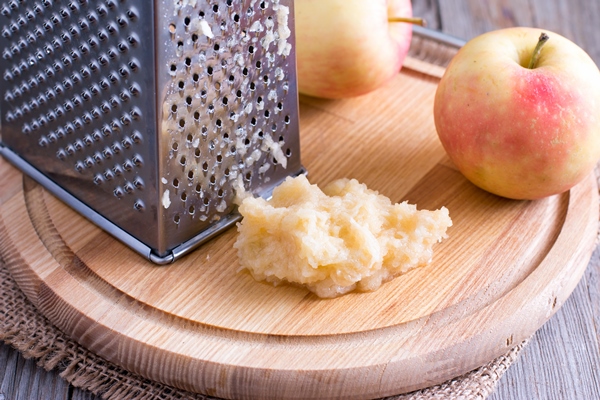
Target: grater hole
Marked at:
191, 210
112, 29
190, 175
197, 152
201, 14
175, 146
220, 193
175, 182
102, 11
186, 21
172, 28
183, 196
188, 100
194, 38
196, 116
216, 8
102, 35
189, 138
198, 188
205, 166
124, 96
181, 123
136, 136
205, 201
182, 160
134, 65
133, 40
135, 89
93, 42
288, 152
176, 219
132, 14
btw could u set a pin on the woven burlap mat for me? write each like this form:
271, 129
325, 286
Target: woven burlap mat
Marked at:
22, 327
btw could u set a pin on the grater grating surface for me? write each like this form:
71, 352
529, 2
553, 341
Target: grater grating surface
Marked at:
147, 119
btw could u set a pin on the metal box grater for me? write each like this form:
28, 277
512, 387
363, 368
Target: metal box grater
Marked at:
147, 117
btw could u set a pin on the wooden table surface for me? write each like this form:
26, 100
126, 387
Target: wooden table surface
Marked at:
562, 359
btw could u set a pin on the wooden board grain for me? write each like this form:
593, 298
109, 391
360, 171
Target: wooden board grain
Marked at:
202, 326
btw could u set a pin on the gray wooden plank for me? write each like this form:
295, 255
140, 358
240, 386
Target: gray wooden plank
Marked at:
577, 20
469, 18
79, 394
562, 359
428, 10
592, 283
24, 380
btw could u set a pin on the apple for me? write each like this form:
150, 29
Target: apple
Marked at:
346, 48
519, 115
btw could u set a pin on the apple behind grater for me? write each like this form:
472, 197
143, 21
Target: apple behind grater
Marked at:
149, 117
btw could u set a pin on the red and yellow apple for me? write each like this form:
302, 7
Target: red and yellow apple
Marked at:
518, 130
349, 48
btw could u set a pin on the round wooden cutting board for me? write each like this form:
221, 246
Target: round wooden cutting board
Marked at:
201, 325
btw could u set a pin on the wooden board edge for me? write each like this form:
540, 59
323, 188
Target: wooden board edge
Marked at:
392, 376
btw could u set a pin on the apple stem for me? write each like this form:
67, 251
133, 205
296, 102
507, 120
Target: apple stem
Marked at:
538, 48
410, 20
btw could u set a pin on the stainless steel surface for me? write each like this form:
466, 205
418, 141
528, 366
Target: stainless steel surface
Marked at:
147, 118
